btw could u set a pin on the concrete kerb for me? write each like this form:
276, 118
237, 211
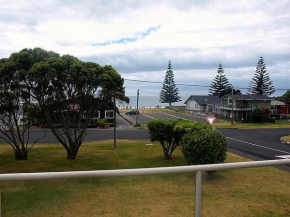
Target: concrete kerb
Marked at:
283, 141
127, 118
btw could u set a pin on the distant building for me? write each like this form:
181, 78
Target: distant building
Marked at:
242, 105
279, 107
196, 104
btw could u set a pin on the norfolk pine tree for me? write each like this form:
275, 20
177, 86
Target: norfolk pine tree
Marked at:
169, 92
261, 83
220, 84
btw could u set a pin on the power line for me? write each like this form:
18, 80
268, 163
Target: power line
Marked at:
149, 92
191, 85
158, 82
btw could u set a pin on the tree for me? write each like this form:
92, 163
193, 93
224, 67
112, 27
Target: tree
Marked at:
220, 84
70, 93
261, 83
169, 92
16, 109
228, 91
169, 133
286, 99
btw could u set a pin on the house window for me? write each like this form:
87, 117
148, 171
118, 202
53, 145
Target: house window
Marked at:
109, 114
196, 105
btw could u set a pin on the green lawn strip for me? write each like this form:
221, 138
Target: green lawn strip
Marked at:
243, 192
227, 124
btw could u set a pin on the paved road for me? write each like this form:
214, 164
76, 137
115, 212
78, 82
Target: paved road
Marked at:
264, 143
144, 118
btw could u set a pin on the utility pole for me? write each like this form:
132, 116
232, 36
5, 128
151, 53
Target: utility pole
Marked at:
232, 106
115, 145
137, 112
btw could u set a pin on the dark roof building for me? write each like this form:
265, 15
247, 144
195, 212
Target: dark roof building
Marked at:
204, 99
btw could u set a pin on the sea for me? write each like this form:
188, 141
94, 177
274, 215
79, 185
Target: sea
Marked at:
149, 102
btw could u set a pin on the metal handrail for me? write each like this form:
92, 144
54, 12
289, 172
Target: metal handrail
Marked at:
145, 171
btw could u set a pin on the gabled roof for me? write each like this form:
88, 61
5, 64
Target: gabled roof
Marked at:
204, 99
277, 103
248, 97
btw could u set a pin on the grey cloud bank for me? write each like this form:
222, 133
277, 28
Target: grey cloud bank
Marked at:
195, 35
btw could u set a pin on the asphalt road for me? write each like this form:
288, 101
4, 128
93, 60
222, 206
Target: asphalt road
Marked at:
144, 118
263, 143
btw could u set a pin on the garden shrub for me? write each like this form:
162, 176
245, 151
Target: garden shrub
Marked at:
169, 133
206, 146
257, 115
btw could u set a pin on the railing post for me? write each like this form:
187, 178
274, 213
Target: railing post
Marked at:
198, 193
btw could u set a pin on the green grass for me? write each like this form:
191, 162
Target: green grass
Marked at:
243, 192
219, 123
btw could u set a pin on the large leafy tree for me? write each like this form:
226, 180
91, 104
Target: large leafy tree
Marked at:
220, 84
169, 92
70, 92
261, 83
17, 113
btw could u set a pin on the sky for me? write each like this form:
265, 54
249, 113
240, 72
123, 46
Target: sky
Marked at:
138, 38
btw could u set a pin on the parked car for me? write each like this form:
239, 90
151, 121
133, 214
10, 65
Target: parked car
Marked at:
132, 112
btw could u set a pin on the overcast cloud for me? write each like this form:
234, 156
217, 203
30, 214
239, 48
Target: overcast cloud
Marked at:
138, 38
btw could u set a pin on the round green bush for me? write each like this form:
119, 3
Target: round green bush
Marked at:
257, 115
207, 146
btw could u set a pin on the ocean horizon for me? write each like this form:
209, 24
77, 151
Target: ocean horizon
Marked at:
149, 102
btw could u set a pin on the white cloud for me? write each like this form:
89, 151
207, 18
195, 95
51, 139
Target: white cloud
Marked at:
195, 35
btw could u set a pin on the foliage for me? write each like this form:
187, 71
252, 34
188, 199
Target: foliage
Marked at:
16, 110
220, 85
206, 146
285, 98
266, 112
169, 133
69, 93
261, 83
103, 122
257, 115
169, 92
228, 91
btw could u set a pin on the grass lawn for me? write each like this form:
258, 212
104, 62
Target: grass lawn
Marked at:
260, 192
219, 123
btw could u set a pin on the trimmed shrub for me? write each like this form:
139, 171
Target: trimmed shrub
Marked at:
204, 147
169, 133
257, 115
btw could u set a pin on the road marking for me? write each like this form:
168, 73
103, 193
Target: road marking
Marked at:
148, 116
283, 156
178, 117
258, 145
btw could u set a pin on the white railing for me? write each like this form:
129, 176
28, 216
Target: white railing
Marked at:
145, 171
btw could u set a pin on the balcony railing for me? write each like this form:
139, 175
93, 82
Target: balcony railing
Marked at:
236, 108
145, 171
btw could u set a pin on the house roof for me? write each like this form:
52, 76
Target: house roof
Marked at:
249, 97
277, 103
204, 99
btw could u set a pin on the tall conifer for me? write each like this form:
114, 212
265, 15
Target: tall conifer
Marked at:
220, 84
169, 92
261, 83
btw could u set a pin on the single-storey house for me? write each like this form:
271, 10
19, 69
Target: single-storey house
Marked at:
201, 104
242, 105
279, 107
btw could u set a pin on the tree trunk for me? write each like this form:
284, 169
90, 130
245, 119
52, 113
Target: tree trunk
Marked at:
20, 155
72, 153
